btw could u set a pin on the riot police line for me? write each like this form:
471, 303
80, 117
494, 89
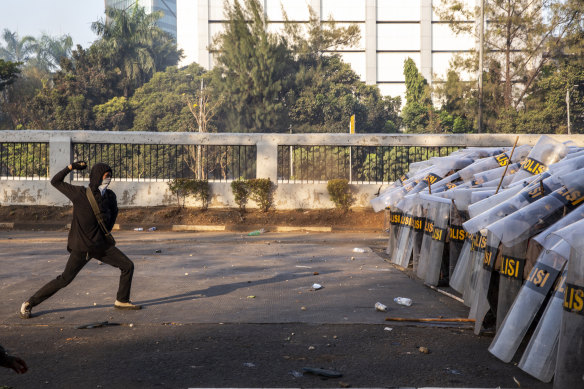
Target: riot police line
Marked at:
504, 227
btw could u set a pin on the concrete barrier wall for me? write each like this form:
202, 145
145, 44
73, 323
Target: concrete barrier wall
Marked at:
37, 191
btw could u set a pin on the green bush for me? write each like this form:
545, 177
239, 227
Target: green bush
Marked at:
260, 191
240, 192
340, 193
184, 187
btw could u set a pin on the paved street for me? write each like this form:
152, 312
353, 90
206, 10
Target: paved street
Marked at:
228, 310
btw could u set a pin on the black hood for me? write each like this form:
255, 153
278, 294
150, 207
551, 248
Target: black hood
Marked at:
97, 172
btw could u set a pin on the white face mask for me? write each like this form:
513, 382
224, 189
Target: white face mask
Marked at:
104, 183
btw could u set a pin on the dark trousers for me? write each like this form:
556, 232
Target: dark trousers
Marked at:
112, 256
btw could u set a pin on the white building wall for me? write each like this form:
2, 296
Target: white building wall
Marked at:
391, 31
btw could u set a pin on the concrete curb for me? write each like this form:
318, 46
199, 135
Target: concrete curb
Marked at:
9, 226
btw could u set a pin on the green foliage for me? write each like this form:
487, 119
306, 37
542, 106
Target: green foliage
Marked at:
160, 104
113, 115
418, 109
240, 193
184, 187
8, 73
261, 191
253, 71
340, 193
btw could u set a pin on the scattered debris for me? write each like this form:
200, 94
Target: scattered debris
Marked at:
344, 384
352, 258
315, 273
428, 319
303, 308
311, 348
296, 374
249, 364
424, 350
453, 371
98, 324
186, 274
303, 266
359, 250
157, 251
403, 301
152, 229
257, 232
517, 382
380, 307
251, 297
388, 329
316, 286
322, 372
138, 229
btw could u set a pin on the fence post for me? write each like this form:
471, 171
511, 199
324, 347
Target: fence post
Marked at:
60, 154
267, 158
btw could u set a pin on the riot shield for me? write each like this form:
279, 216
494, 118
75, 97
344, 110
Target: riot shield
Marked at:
438, 233
496, 161
539, 358
510, 277
547, 239
456, 238
480, 281
461, 273
528, 195
545, 152
538, 215
403, 247
526, 305
422, 265
394, 222
570, 364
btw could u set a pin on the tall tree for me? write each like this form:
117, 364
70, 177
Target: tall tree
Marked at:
418, 110
135, 45
253, 71
17, 49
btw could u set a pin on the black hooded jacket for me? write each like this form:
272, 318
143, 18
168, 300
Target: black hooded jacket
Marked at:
85, 234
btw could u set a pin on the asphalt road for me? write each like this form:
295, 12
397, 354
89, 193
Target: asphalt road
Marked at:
228, 310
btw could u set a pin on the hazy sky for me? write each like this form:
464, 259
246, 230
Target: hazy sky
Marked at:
54, 17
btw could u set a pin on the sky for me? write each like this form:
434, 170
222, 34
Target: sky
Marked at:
53, 17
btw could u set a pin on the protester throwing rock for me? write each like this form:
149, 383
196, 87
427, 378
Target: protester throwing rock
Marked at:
95, 211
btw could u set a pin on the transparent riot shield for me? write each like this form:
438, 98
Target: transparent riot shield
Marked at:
503, 195
528, 195
510, 277
545, 152
422, 265
547, 239
525, 307
394, 222
570, 364
461, 274
496, 161
456, 238
406, 225
540, 355
438, 234
534, 217
493, 175
480, 281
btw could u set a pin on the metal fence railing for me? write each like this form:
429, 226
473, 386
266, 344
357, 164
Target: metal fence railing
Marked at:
358, 164
153, 162
24, 160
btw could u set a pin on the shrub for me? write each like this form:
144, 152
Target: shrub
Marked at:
260, 190
183, 187
240, 192
340, 193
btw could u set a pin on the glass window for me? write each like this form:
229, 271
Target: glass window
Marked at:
357, 62
441, 64
398, 10
343, 10
390, 66
398, 36
394, 90
295, 10
443, 38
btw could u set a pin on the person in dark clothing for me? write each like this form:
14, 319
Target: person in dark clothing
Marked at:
12, 362
86, 239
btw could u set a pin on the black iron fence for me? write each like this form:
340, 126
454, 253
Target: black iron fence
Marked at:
28, 160
359, 164
152, 162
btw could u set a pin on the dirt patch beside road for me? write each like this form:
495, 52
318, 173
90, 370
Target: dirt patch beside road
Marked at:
156, 216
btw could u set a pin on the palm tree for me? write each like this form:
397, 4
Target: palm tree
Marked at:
135, 45
17, 50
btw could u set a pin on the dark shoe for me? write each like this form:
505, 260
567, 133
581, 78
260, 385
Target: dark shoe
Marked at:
25, 310
128, 305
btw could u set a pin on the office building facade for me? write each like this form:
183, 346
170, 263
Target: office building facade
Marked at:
168, 8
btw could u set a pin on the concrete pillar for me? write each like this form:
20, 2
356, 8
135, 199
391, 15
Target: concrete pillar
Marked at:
371, 42
60, 154
203, 30
426, 39
267, 158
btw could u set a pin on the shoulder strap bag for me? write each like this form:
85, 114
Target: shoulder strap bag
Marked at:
108, 237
